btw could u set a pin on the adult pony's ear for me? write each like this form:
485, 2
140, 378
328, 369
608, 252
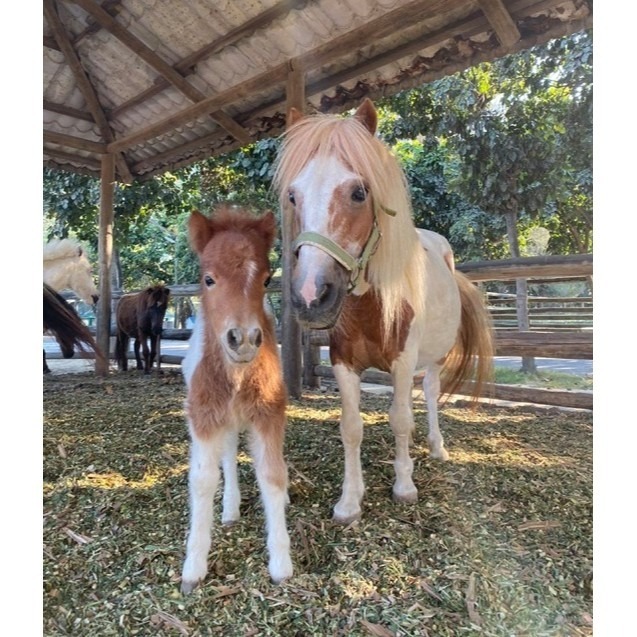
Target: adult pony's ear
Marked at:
366, 113
294, 115
199, 231
267, 227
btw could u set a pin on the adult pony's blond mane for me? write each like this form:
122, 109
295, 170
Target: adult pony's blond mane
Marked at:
397, 269
61, 249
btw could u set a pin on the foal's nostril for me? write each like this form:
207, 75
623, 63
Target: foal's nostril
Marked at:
235, 338
256, 337
95, 298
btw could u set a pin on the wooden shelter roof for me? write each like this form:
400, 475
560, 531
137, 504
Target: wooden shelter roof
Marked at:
164, 83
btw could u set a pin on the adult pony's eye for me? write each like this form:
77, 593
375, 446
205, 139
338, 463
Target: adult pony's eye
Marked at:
359, 194
291, 198
209, 281
267, 282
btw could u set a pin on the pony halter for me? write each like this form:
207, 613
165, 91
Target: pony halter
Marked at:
355, 266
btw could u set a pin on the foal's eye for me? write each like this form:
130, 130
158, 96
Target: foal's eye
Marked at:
291, 198
359, 194
267, 281
209, 281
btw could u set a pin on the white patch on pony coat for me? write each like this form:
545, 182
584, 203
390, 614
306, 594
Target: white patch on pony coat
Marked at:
317, 196
195, 350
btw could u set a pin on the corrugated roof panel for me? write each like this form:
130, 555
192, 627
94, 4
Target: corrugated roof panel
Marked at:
151, 119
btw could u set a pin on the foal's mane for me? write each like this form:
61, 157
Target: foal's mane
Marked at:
396, 271
60, 249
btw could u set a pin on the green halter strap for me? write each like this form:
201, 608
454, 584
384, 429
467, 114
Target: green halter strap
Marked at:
355, 266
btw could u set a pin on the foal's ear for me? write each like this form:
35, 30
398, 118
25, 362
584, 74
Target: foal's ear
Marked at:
267, 227
199, 231
366, 113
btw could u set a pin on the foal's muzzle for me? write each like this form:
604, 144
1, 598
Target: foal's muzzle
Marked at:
242, 344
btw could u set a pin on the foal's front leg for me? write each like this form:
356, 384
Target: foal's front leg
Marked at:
348, 508
272, 476
203, 482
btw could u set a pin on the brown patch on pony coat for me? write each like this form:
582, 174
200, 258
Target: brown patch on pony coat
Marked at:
357, 341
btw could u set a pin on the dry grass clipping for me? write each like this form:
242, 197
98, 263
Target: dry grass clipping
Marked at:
500, 542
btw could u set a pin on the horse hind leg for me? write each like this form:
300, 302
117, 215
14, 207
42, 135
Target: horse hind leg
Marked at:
121, 351
272, 477
348, 508
431, 387
203, 480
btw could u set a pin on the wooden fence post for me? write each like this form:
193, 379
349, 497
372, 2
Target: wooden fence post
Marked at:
105, 250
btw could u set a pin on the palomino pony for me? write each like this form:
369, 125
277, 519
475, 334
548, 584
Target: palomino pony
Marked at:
140, 316
67, 267
387, 292
61, 320
235, 381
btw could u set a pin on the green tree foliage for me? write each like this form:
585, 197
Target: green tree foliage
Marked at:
511, 138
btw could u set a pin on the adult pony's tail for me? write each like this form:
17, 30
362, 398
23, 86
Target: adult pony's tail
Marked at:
61, 320
472, 355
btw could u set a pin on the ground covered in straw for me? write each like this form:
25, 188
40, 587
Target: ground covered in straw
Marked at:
500, 542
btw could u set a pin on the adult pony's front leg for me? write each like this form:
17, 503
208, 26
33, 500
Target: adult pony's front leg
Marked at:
272, 476
203, 481
348, 508
431, 387
401, 419
136, 346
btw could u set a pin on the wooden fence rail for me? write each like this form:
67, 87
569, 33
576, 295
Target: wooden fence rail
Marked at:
557, 339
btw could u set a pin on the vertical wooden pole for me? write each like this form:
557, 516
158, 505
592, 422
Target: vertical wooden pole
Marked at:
291, 331
105, 256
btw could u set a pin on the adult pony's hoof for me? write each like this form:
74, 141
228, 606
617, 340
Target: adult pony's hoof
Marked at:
409, 497
189, 587
439, 454
346, 520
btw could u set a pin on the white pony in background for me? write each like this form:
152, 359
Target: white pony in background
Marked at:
67, 267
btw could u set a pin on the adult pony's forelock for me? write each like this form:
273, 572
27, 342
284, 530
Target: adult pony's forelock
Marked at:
396, 270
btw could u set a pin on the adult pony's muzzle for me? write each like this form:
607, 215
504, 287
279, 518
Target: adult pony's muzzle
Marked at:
318, 302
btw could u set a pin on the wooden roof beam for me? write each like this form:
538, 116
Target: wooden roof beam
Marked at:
78, 143
187, 65
160, 65
376, 29
78, 159
83, 81
61, 109
501, 20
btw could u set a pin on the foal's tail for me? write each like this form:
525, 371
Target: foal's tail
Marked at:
472, 355
61, 319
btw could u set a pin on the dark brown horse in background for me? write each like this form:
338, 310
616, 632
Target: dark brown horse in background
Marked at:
64, 323
141, 316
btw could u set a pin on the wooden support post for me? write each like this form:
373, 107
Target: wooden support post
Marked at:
291, 330
105, 250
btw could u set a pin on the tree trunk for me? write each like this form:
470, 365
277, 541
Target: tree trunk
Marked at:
521, 289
